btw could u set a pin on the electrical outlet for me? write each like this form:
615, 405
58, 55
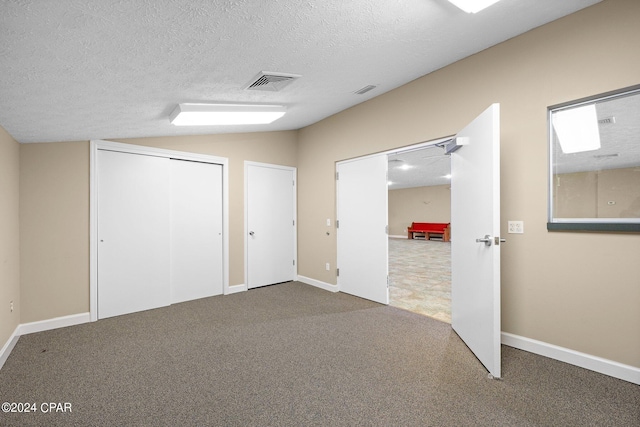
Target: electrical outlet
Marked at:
328, 222
327, 266
516, 227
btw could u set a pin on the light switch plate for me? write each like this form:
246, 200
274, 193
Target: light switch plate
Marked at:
515, 227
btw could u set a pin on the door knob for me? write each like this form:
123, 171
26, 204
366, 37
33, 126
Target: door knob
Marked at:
251, 233
487, 240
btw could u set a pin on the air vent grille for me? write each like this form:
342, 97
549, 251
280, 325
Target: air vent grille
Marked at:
365, 89
272, 82
607, 120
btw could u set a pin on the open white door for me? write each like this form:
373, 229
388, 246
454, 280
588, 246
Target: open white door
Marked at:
363, 244
475, 238
270, 224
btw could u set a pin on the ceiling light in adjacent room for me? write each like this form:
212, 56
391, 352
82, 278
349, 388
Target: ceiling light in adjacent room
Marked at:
577, 129
225, 114
473, 6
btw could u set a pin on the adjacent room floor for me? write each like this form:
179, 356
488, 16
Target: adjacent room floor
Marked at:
420, 277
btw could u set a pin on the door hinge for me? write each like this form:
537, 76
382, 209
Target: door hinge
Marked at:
294, 262
387, 281
294, 183
337, 176
294, 222
338, 272
386, 229
337, 223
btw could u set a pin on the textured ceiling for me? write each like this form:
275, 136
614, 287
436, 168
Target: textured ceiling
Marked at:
417, 168
100, 69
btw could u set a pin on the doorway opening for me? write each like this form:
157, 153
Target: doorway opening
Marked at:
419, 188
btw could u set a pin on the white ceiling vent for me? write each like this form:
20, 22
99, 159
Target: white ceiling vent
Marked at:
268, 81
607, 121
365, 89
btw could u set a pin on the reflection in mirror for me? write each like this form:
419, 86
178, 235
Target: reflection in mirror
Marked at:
595, 160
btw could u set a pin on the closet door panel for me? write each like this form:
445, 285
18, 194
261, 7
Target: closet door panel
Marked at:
133, 232
196, 230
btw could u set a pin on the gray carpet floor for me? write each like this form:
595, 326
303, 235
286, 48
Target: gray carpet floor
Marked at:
294, 355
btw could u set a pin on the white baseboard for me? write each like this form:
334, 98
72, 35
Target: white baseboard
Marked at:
43, 325
6, 349
235, 289
583, 360
404, 236
318, 284
55, 323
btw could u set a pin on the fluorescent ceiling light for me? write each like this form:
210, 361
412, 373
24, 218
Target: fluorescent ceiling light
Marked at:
473, 6
225, 114
577, 129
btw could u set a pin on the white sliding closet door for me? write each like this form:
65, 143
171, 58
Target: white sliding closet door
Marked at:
196, 230
133, 233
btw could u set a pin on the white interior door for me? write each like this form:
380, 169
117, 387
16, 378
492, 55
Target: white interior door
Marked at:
363, 245
475, 214
270, 224
133, 233
196, 230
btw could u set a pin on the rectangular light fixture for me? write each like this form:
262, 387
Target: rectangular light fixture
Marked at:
225, 114
577, 129
473, 6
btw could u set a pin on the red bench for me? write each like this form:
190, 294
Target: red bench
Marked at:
440, 229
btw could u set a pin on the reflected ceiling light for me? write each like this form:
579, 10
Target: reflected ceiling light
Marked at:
405, 167
225, 114
473, 6
447, 176
577, 129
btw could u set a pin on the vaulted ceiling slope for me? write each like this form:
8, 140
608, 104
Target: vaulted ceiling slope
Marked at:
90, 69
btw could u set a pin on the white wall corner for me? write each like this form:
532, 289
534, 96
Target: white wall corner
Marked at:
8, 346
318, 284
583, 360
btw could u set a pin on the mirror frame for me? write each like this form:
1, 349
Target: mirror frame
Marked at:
584, 224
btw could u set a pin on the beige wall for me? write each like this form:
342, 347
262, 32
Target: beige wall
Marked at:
54, 230
9, 236
419, 204
54, 218
576, 290
609, 193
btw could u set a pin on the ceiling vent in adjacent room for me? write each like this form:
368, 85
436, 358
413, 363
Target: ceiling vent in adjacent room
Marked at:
607, 121
271, 82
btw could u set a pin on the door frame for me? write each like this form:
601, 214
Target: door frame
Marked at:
294, 171
96, 145
412, 147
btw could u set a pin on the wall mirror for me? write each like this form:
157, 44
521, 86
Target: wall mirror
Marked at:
594, 159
